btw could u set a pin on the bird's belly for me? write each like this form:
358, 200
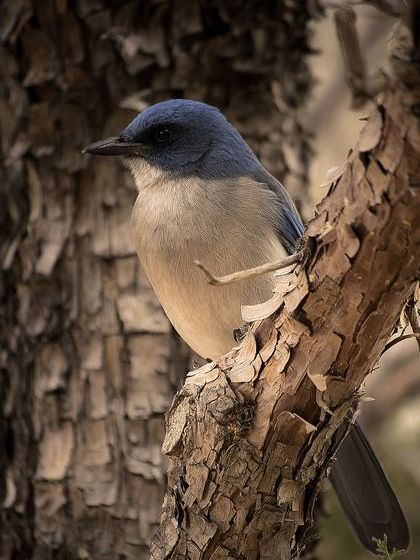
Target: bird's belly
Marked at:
205, 316
204, 320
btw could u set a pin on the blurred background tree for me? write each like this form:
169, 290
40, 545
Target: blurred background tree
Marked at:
89, 363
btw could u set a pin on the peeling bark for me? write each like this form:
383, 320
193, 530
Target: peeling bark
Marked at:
250, 437
88, 361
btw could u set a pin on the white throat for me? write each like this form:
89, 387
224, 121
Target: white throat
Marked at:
145, 175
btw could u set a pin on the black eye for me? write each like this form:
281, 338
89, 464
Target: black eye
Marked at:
163, 134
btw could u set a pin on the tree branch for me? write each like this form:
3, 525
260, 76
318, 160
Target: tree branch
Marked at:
250, 272
249, 437
362, 87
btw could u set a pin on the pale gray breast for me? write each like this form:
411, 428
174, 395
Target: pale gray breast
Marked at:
227, 228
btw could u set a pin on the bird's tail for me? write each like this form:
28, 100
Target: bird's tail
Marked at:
366, 495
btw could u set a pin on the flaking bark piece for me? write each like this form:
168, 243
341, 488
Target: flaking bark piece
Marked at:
286, 281
371, 133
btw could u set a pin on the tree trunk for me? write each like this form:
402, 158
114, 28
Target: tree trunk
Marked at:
89, 362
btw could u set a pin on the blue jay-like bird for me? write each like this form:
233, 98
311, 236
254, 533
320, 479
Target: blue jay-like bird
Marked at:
203, 194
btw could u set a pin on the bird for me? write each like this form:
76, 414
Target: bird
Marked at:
204, 195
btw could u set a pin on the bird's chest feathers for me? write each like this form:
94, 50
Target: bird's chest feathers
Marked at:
168, 217
225, 225
187, 219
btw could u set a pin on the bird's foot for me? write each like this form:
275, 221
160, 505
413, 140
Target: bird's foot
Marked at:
239, 334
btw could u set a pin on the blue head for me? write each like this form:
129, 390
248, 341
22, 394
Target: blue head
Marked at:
183, 137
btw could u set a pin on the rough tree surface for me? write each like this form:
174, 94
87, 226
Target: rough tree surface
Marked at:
250, 437
88, 361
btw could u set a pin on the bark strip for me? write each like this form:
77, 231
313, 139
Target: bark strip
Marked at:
250, 437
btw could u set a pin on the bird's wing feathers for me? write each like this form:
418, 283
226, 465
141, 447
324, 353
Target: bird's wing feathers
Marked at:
289, 226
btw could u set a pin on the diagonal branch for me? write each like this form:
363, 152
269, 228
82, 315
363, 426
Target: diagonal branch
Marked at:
250, 272
249, 437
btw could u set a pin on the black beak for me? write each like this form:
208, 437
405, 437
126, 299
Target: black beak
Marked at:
116, 146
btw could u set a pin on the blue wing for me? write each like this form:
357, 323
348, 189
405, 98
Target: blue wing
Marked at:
289, 225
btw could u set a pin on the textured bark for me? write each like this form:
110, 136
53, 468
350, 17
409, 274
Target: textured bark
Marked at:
89, 363
251, 436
